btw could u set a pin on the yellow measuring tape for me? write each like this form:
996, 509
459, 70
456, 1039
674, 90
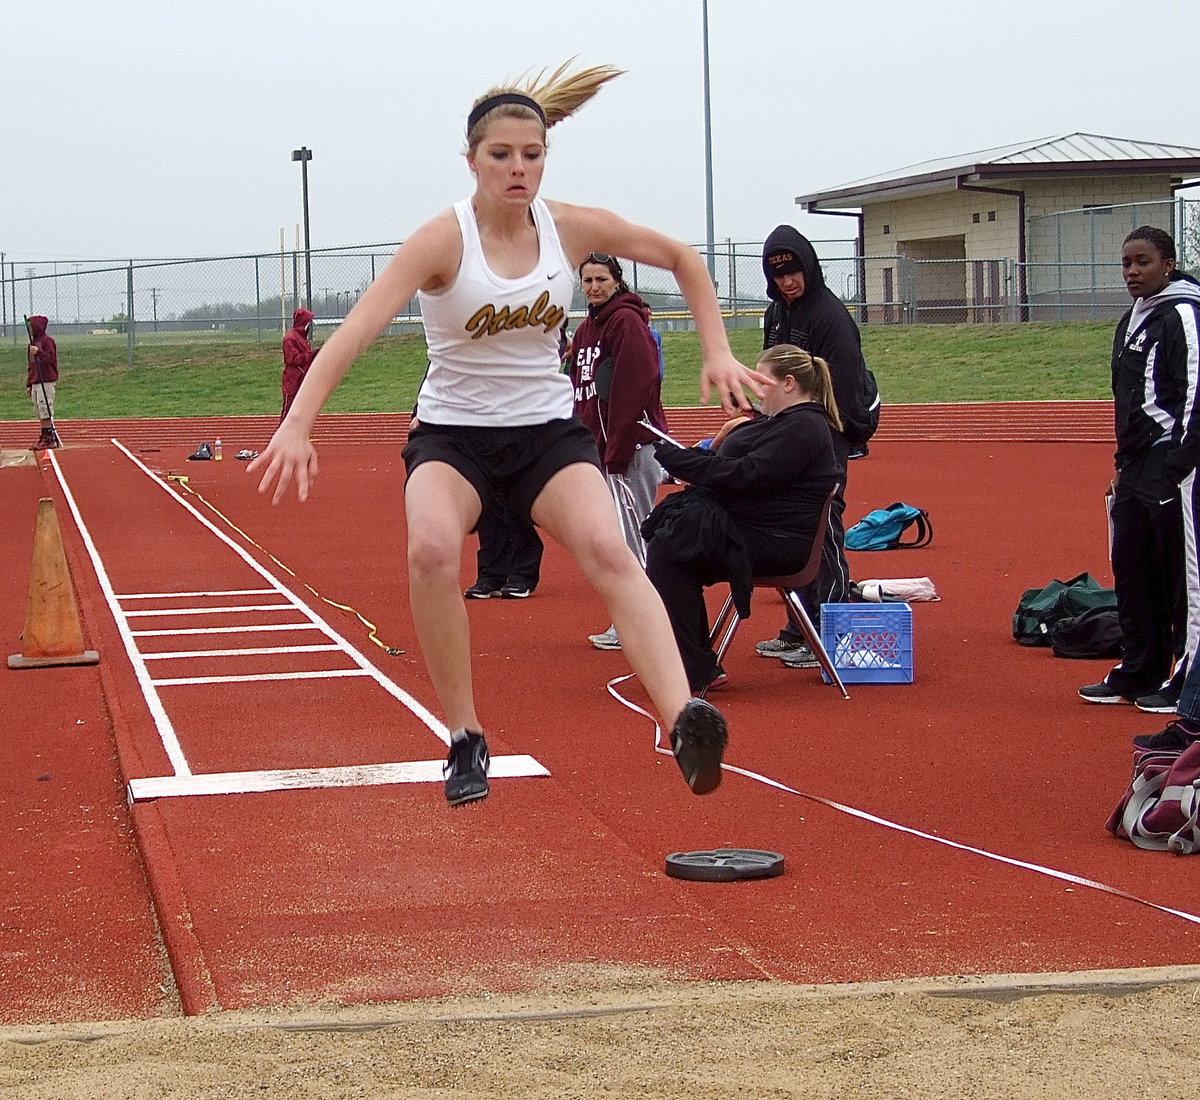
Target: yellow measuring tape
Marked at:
372, 630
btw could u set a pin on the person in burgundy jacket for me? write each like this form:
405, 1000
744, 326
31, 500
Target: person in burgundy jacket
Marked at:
298, 354
41, 380
616, 369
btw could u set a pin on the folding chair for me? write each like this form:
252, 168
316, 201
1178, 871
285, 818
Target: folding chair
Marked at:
727, 622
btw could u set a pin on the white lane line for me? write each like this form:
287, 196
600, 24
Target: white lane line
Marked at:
418, 709
233, 609
166, 731
331, 674
196, 595
180, 653
361, 775
261, 628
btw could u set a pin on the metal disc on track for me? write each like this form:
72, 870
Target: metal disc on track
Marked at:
724, 865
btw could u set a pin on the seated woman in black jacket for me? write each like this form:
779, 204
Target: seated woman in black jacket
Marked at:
751, 507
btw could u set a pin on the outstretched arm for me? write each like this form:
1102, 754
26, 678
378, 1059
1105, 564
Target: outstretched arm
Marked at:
428, 259
588, 229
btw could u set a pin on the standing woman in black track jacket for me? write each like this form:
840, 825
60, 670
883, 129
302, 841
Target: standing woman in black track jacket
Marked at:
1155, 376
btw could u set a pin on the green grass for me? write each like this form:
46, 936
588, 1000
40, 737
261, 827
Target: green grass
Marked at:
235, 374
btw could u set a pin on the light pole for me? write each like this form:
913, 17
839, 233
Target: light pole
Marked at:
304, 155
708, 170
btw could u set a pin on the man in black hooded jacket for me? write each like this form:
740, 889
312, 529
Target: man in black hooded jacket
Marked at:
805, 312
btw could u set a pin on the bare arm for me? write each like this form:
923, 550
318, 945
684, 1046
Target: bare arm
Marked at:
588, 229
427, 260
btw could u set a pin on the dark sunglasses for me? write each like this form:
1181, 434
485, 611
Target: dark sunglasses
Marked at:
611, 262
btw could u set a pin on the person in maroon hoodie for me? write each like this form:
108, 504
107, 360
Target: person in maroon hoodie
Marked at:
616, 369
41, 380
298, 354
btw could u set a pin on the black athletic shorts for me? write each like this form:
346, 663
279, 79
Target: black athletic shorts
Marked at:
511, 463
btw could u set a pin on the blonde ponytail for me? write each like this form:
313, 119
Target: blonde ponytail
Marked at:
557, 96
811, 374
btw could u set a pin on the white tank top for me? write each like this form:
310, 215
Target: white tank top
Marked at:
493, 342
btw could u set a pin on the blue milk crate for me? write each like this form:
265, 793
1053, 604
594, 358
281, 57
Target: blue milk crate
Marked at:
869, 643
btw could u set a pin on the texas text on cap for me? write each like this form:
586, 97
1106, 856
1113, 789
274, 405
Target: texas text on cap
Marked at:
784, 263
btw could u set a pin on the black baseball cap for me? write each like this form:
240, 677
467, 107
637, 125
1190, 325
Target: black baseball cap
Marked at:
784, 262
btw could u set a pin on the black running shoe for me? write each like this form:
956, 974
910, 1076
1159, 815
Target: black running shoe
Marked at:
1173, 737
483, 590
698, 741
1102, 693
466, 770
719, 680
203, 453
516, 590
1163, 701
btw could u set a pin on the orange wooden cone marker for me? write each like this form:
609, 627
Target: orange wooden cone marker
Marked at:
52, 634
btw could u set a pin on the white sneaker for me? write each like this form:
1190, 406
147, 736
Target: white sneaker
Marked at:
799, 657
777, 647
607, 640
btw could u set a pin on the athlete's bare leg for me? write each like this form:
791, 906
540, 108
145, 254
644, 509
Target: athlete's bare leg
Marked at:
441, 508
576, 509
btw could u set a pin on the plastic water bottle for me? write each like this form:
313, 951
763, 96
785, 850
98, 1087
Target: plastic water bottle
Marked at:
217, 450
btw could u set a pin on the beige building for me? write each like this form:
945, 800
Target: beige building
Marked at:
1005, 230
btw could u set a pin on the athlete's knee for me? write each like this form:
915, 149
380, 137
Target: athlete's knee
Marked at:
606, 554
433, 554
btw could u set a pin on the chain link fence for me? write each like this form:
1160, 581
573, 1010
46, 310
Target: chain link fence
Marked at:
1075, 272
253, 296
1072, 272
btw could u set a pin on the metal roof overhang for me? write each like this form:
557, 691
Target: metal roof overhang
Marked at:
990, 174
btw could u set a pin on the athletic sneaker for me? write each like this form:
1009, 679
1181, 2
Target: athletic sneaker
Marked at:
466, 770
1163, 701
698, 742
607, 640
719, 680
861, 451
516, 590
1101, 693
1173, 737
203, 453
800, 657
777, 647
483, 589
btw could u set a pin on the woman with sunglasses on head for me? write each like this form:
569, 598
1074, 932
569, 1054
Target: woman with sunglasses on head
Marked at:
493, 274
616, 369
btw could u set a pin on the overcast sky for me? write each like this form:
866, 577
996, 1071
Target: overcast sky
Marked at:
138, 128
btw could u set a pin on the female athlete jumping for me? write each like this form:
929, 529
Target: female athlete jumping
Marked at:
494, 276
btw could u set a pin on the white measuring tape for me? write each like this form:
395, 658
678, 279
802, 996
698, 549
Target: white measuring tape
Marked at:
862, 815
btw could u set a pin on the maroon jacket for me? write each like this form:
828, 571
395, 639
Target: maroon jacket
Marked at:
43, 362
615, 371
298, 353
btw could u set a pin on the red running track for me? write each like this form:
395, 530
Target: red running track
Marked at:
375, 890
1000, 421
